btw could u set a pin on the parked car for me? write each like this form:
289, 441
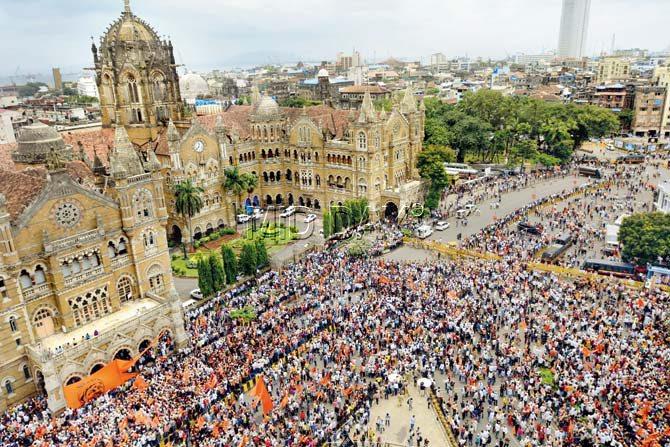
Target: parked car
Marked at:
441, 225
243, 218
289, 211
310, 218
196, 294
258, 214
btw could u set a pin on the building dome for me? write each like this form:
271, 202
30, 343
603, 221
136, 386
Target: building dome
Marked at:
36, 141
130, 28
267, 107
323, 73
191, 86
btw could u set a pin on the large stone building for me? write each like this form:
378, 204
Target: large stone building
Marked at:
314, 157
137, 78
84, 277
85, 273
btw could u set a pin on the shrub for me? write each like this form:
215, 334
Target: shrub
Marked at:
197, 244
228, 231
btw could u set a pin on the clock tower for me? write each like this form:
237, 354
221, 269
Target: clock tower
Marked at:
137, 78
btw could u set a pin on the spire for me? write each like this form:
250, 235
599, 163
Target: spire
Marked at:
172, 132
382, 114
126, 4
367, 109
408, 104
255, 96
422, 105
124, 161
219, 127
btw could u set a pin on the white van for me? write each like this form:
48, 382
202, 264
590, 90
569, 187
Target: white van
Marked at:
423, 231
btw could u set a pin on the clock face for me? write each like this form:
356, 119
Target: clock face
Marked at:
199, 146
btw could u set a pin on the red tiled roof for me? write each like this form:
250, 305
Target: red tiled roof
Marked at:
21, 188
6, 150
94, 140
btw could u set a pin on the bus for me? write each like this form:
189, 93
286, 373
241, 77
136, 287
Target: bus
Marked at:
632, 159
556, 250
588, 171
603, 267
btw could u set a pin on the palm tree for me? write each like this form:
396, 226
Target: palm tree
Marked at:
188, 202
238, 183
235, 183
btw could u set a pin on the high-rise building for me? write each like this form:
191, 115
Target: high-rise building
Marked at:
574, 28
612, 69
58, 79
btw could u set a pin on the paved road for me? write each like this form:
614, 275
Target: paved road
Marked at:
510, 202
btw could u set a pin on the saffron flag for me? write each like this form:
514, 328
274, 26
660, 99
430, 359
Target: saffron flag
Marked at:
107, 378
261, 391
140, 383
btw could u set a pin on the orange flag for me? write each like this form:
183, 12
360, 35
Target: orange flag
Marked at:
245, 439
284, 401
212, 382
325, 380
90, 387
523, 325
140, 383
261, 391
200, 422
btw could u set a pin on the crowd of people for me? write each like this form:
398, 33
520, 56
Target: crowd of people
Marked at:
525, 359
582, 213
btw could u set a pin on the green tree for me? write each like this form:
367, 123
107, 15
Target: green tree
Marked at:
238, 183
383, 104
218, 274
30, 89
327, 224
471, 135
262, 258
204, 277
430, 164
247, 260
645, 237
626, 118
338, 223
188, 203
229, 263
298, 103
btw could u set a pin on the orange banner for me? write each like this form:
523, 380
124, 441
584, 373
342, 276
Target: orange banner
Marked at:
109, 377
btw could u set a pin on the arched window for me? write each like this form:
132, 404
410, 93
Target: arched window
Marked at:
25, 280
26, 372
13, 326
318, 180
122, 250
362, 141
8, 387
133, 92
143, 204
111, 250
288, 175
156, 281
124, 288
3, 289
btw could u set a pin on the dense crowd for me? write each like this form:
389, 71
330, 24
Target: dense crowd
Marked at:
524, 359
582, 213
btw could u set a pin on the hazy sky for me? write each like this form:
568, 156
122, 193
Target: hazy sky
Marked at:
39, 34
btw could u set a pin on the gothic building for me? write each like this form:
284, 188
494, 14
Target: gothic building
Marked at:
137, 78
314, 157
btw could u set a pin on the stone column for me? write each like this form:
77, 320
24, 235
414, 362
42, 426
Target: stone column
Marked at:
53, 385
181, 337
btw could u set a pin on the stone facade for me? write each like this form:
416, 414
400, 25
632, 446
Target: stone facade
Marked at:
84, 277
314, 157
137, 78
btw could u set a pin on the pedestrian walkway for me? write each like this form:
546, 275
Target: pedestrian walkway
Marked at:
398, 432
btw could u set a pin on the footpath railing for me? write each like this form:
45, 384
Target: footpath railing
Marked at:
444, 421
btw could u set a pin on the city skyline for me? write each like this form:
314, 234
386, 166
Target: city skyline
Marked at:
243, 33
573, 35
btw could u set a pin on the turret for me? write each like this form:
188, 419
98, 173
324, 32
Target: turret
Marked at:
368, 114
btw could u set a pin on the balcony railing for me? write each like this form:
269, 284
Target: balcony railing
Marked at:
36, 292
83, 277
72, 241
121, 261
139, 178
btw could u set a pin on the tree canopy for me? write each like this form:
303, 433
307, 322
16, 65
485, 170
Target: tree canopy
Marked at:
487, 126
645, 237
431, 167
298, 102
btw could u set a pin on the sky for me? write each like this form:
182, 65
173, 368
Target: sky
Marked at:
39, 34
